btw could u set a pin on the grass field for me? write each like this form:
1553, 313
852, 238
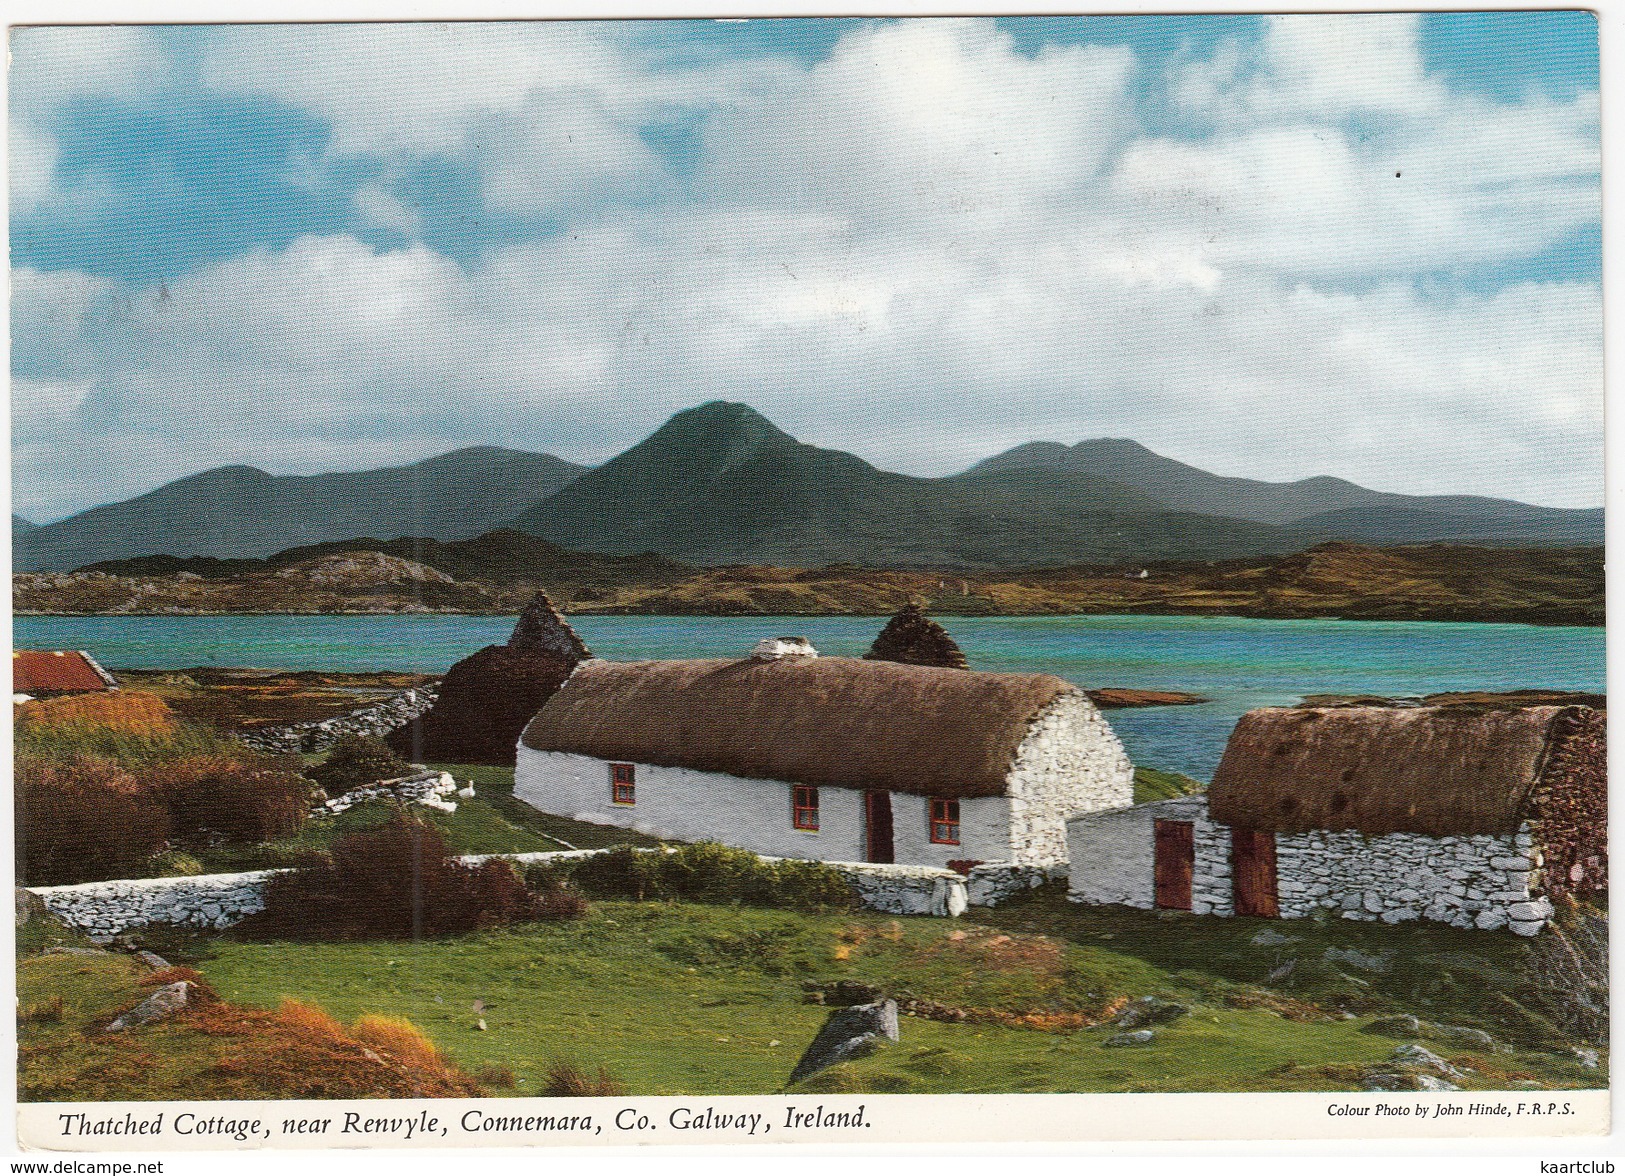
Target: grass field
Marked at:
680, 998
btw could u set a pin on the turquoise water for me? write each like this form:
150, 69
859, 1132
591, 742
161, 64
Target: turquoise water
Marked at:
1237, 663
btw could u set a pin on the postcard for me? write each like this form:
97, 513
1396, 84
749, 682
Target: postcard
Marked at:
824, 581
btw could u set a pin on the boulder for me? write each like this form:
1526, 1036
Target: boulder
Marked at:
1126, 1040
29, 906
152, 960
1148, 1010
848, 1033
1420, 1058
1403, 1025
914, 639
486, 699
164, 1002
1462, 1036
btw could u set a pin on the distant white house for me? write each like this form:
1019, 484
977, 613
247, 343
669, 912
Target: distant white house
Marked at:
838, 759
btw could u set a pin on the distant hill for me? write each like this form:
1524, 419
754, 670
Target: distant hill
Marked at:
497, 573
720, 484
1325, 508
243, 512
21, 526
498, 557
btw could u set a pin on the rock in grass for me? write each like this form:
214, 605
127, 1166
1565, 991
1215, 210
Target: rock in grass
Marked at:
1421, 1058
152, 960
1377, 963
1404, 1025
1587, 1057
1462, 1036
848, 1033
1149, 1010
1137, 1037
164, 1002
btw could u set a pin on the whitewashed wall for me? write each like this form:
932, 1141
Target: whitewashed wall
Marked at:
1111, 853
686, 805
1070, 762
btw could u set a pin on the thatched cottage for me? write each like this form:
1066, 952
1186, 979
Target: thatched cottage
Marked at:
1476, 817
839, 759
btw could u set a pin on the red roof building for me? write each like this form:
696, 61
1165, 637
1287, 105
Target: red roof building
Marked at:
47, 673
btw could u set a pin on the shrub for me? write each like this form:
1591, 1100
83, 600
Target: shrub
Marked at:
567, 1081
496, 1077
393, 880
709, 872
397, 1036
83, 818
552, 898
243, 798
355, 762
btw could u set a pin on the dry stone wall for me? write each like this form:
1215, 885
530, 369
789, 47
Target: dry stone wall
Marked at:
376, 721
219, 900
1479, 880
204, 900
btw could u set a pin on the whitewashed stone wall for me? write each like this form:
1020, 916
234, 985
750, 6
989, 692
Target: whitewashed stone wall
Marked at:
991, 883
204, 900
219, 900
1111, 853
685, 805
1070, 762
1483, 881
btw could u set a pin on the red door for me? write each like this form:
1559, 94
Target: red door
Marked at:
877, 821
1174, 862
1252, 862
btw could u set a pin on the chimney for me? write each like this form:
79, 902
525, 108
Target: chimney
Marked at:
770, 649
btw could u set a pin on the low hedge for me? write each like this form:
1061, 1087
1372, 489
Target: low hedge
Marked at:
714, 873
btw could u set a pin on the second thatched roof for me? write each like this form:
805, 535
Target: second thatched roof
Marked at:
1433, 770
842, 722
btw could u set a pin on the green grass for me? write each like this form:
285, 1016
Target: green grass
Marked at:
1154, 784
675, 998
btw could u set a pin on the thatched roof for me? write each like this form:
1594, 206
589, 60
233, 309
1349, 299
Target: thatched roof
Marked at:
1435, 770
838, 721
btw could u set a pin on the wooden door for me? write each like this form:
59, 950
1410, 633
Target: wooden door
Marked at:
877, 823
1252, 863
1174, 861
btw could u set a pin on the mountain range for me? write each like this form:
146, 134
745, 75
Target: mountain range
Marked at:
721, 484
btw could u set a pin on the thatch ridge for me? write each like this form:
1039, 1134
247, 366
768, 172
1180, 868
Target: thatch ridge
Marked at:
1433, 770
843, 722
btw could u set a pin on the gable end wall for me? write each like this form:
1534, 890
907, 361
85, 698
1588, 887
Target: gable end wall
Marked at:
1070, 762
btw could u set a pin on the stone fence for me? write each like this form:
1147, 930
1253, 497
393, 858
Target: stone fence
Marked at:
375, 720
217, 901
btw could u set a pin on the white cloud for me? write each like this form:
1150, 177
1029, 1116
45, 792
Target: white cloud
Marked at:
925, 248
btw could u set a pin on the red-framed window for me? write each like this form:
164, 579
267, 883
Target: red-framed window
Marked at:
944, 821
804, 807
622, 784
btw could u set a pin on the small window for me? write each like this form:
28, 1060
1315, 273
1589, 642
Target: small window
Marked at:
804, 808
944, 821
622, 784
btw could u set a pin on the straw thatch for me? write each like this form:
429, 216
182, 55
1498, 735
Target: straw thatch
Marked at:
842, 722
1433, 770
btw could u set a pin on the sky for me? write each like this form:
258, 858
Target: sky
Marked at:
1269, 246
